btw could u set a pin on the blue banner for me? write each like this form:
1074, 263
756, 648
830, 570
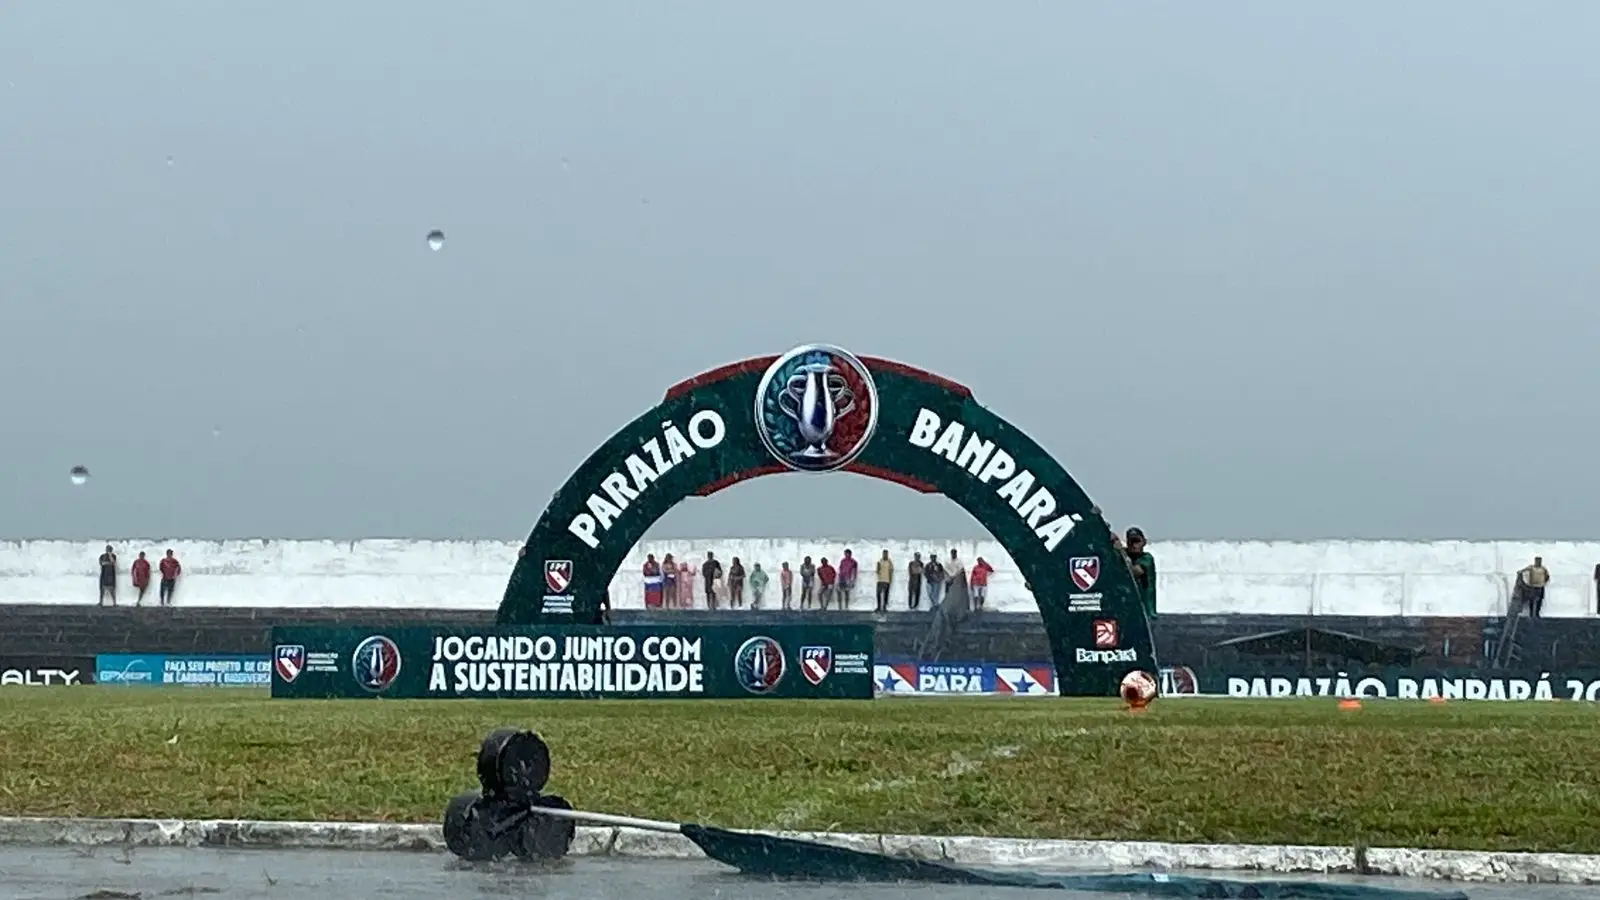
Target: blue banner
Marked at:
190, 671
908, 677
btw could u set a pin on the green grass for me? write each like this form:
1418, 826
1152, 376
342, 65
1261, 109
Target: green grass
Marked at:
1504, 776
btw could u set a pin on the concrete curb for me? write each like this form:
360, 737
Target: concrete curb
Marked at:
1448, 865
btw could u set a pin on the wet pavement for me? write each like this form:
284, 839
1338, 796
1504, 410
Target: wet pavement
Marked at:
113, 873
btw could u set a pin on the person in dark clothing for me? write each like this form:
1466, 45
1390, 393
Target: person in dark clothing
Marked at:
710, 572
108, 576
914, 582
602, 610
1143, 565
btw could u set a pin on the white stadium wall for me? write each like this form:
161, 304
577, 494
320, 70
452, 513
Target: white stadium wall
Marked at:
1349, 578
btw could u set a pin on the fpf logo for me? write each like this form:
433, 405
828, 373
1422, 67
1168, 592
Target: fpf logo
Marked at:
289, 660
1085, 571
557, 575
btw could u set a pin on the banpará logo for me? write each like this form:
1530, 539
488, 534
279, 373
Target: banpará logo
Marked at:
816, 408
1107, 657
375, 663
759, 665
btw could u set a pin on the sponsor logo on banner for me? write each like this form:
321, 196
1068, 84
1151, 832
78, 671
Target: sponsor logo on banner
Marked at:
289, 660
1087, 603
40, 677
951, 678
1107, 657
375, 664
1085, 571
557, 584
895, 678
759, 665
121, 668
557, 575
1105, 634
816, 663
1040, 679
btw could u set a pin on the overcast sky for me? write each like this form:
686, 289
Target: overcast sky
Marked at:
1265, 269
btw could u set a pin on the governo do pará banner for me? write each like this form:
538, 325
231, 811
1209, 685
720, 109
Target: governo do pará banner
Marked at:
574, 662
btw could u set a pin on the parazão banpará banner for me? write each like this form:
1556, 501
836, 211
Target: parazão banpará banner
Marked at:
578, 662
1579, 685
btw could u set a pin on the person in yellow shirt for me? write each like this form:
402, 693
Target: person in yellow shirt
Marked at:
885, 578
1532, 581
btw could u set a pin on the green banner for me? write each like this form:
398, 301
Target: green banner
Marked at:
451, 662
1581, 685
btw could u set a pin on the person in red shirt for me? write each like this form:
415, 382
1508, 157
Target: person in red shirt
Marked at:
978, 582
170, 570
141, 578
847, 578
826, 576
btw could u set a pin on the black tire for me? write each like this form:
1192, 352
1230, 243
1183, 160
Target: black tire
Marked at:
514, 765
466, 828
545, 838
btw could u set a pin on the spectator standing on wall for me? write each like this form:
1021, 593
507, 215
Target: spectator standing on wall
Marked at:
140, 573
827, 576
652, 582
933, 577
808, 580
758, 585
1597, 589
952, 570
686, 580
786, 583
669, 582
885, 579
170, 570
108, 576
978, 583
848, 568
711, 571
1144, 569
1533, 579
736, 584
914, 582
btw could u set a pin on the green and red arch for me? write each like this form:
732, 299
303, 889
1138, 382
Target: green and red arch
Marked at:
929, 434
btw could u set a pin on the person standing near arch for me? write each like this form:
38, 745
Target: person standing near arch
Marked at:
711, 571
885, 579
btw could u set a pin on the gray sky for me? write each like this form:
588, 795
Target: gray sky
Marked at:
1328, 269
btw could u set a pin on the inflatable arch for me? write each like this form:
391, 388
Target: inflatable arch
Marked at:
820, 409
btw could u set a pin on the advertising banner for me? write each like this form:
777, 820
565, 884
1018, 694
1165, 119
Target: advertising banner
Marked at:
1406, 684
1036, 679
155, 669
908, 677
686, 662
46, 671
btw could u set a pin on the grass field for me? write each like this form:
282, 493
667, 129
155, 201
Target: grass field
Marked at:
1506, 776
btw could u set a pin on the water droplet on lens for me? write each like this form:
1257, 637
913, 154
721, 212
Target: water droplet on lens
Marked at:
436, 240
171, 162
80, 475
